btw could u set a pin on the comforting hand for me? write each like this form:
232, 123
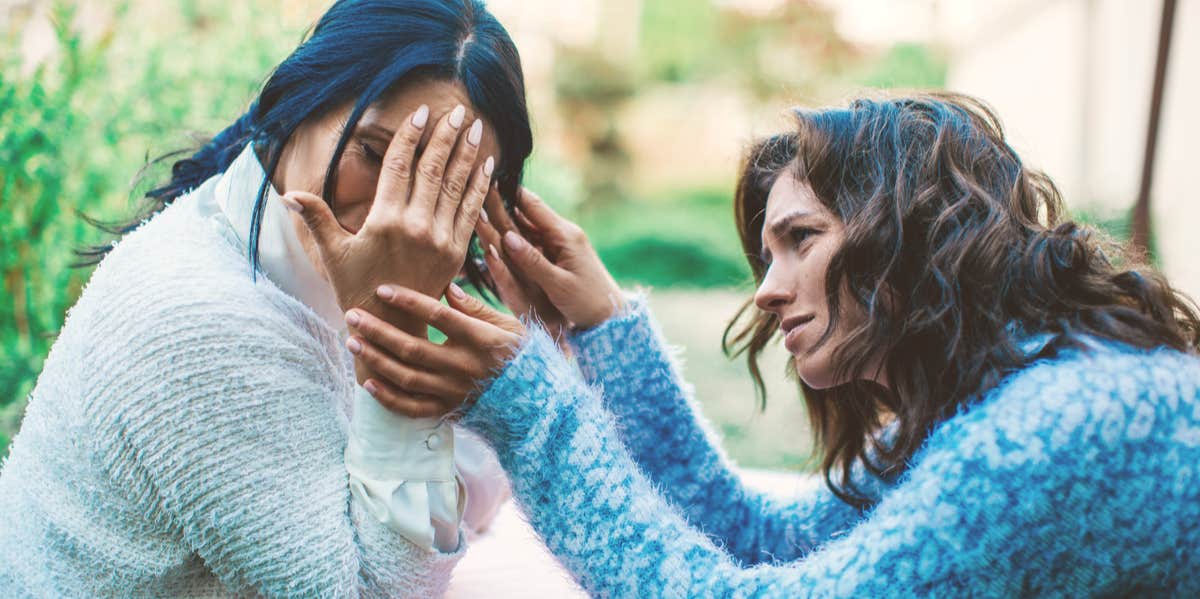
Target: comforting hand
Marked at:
558, 275
422, 379
419, 226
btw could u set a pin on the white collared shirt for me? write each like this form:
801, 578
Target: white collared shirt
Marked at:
403, 470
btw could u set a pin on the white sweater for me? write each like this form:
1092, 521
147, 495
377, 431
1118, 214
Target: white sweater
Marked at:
187, 436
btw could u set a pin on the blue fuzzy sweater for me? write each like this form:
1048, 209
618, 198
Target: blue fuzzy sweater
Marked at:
1076, 476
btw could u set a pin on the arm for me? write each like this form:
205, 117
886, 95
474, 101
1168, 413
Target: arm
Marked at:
627, 357
221, 423
1041, 516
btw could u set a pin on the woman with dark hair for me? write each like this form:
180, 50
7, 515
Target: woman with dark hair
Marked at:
197, 428
1004, 404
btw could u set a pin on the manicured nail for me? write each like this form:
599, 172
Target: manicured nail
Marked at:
489, 166
354, 346
484, 217
493, 252
370, 387
476, 133
513, 242
456, 117
421, 117
457, 292
352, 318
386, 292
290, 203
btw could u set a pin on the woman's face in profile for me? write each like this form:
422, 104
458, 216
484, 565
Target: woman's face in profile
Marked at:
799, 237
306, 157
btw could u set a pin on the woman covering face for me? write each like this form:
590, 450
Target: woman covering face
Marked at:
1004, 403
199, 428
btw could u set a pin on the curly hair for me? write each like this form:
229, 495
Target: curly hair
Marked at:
956, 252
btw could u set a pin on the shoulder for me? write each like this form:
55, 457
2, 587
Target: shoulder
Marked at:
179, 289
1110, 400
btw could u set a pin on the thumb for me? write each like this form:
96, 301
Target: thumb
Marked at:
473, 307
531, 263
317, 217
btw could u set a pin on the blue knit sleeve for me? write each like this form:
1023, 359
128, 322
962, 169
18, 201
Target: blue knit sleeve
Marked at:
661, 424
1072, 479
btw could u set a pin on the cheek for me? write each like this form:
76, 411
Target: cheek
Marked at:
354, 193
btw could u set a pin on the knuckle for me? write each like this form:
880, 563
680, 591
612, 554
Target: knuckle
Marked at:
438, 314
412, 351
398, 165
431, 169
454, 186
403, 378
574, 233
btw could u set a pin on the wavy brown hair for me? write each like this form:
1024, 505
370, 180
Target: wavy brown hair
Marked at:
955, 251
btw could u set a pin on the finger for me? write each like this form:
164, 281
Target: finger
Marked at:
468, 212
497, 214
523, 222
458, 173
411, 405
453, 323
422, 353
432, 166
396, 175
540, 215
459, 300
407, 378
488, 235
534, 235
511, 292
531, 264
317, 216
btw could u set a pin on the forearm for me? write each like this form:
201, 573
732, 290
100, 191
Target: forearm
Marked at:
628, 357
961, 524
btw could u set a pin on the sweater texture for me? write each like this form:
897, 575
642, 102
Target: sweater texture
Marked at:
186, 439
1076, 476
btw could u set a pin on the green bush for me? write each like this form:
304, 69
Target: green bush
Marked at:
76, 130
686, 239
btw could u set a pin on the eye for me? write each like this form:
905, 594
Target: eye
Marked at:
799, 235
370, 152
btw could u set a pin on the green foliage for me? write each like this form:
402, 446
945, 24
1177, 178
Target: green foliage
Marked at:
687, 240
908, 65
76, 130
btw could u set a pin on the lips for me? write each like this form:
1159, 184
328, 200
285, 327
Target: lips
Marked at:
791, 328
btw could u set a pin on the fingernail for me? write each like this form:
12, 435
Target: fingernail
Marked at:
513, 242
290, 203
484, 217
476, 133
386, 292
489, 166
421, 117
352, 318
457, 292
354, 346
370, 387
493, 252
456, 117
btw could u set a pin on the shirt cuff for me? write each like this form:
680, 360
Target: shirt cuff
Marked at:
402, 471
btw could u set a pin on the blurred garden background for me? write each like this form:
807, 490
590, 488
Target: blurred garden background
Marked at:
641, 110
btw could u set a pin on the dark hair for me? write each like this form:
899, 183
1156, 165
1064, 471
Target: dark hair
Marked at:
359, 51
955, 251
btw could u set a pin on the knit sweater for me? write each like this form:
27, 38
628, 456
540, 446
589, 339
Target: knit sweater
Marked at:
186, 438
1076, 476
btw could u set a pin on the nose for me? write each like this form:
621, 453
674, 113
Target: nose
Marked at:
772, 296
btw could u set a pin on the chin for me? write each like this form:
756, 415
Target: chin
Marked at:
816, 376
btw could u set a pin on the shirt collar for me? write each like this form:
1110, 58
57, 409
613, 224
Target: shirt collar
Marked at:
281, 255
